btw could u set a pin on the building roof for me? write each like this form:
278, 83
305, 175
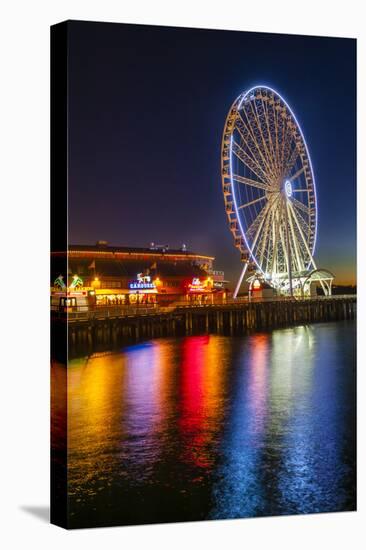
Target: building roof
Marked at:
105, 250
122, 268
126, 262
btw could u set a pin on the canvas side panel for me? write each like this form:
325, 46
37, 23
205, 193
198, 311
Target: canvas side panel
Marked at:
59, 239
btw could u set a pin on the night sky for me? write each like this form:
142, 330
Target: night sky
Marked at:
147, 108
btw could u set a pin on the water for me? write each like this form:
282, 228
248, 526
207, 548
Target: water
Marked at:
206, 427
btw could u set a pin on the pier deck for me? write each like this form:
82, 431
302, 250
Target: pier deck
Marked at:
118, 325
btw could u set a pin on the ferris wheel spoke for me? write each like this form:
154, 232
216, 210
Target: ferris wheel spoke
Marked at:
281, 116
281, 234
297, 174
311, 259
262, 127
264, 241
301, 206
252, 202
250, 182
283, 160
245, 145
277, 132
287, 139
258, 232
248, 161
266, 116
297, 255
302, 248
253, 228
284, 249
253, 117
294, 155
275, 239
243, 127
260, 122
304, 225
264, 214
290, 155
272, 246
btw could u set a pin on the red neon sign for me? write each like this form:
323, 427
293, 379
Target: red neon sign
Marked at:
196, 285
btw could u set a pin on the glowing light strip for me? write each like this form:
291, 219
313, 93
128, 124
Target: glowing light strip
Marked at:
244, 96
81, 253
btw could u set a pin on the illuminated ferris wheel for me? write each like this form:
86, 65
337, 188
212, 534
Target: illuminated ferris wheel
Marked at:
269, 191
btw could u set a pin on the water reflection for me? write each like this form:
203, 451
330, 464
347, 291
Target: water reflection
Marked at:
214, 427
238, 491
200, 399
311, 472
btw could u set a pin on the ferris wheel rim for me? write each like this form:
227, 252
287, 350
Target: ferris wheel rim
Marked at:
250, 248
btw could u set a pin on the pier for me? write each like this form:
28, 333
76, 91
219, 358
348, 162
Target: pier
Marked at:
108, 328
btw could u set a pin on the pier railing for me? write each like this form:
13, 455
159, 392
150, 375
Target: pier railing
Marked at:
83, 313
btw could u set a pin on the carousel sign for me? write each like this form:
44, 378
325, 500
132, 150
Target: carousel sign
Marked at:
142, 283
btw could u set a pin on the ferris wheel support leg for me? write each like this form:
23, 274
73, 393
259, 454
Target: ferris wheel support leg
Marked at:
237, 288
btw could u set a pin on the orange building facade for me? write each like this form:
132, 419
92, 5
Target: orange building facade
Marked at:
103, 275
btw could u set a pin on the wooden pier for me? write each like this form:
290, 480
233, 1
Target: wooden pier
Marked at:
99, 330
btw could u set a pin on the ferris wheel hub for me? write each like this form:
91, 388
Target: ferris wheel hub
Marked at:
288, 188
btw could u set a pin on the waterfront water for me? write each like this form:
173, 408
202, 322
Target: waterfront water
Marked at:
206, 427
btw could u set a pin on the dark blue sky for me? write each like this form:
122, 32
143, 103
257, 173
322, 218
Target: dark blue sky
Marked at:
147, 109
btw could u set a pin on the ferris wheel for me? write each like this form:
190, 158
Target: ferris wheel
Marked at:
269, 189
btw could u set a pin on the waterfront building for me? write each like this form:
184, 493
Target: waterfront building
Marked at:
104, 275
